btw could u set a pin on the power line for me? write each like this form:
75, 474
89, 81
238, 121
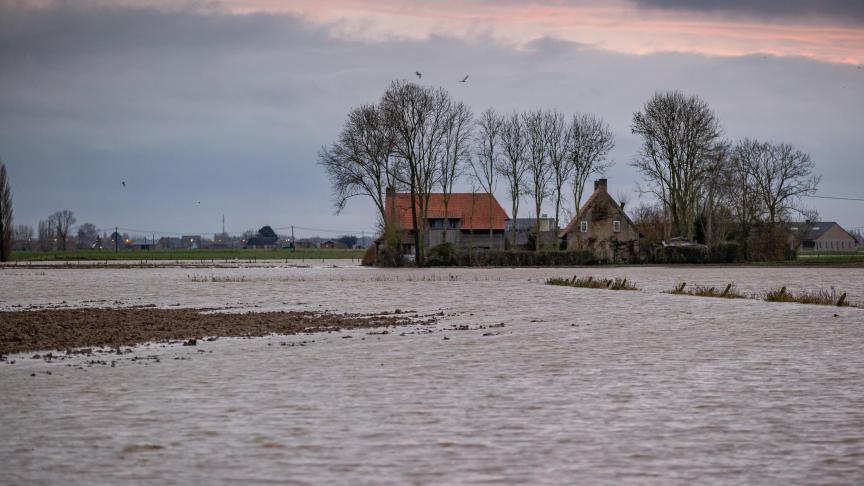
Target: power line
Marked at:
838, 198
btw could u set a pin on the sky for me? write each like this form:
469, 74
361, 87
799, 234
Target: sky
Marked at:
212, 108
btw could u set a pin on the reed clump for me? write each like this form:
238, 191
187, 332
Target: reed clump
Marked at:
728, 292
816, 297
215, 278
590, 282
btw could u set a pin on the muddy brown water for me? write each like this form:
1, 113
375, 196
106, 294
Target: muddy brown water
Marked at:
587, 386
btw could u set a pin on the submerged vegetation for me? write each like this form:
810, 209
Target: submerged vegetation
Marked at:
831, 297
728, 292
590, 282
817, 297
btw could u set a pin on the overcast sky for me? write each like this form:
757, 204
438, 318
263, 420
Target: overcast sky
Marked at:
212, 108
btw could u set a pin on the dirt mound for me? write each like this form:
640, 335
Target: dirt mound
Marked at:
63, 329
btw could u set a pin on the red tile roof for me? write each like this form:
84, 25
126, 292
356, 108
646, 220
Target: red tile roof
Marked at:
473, 209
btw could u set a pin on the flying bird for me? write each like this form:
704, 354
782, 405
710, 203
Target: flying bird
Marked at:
419, 74
465, 79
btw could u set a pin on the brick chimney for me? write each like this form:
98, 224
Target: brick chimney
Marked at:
600, 185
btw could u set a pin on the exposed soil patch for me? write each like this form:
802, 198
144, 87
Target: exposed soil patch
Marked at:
66, 329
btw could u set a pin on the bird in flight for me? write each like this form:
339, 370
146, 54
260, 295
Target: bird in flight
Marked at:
124, 183
465, 79
419, 74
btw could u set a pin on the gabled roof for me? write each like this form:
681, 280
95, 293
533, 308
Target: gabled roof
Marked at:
476, 211
813, 230
584, 209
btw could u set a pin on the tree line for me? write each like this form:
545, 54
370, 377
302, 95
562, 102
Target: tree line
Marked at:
711, 189
420, 140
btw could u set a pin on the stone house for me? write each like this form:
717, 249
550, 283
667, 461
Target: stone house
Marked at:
603, 227
472, 220
822, 235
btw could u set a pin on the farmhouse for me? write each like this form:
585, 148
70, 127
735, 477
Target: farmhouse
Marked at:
471, 220
603, 227
822, 235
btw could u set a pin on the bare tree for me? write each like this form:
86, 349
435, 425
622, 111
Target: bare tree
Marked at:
359, 163
418, 117
539, 170
740, 193
780, 174
513, 165
47, 235
62, 222
714, 202
558, 142
22, 236
5, 214
679, 135
456, 152
87, 235
591, 140
488, 152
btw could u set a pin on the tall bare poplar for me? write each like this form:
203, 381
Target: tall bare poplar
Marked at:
557, 147
483, 166
591, 140
456, 152
513, 163
418, 118
539, 170
5, 214
679, 135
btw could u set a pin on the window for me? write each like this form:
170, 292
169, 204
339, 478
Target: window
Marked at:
616, 226
583, 226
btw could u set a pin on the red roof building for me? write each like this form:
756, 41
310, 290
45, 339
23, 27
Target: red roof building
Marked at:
467, 214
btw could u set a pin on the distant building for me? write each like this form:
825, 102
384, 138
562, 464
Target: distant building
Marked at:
472, 220
603, 227
329, 244
142, 244
191, 241
822, 235
520, 229
170, 243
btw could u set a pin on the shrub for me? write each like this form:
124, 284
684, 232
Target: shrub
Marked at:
441, 255
521, 258
725, 252
680, 254
369, 257
389, 257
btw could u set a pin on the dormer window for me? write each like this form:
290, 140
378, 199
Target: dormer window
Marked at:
616, 226
583, 226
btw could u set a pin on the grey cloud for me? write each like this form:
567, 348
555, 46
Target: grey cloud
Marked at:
844, 11
231, 110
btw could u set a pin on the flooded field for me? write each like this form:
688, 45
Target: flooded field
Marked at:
519, 382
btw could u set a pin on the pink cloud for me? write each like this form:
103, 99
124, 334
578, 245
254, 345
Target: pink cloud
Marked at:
616, 25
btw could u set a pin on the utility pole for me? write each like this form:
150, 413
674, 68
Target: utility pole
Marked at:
293, 242
116, 237
223, 225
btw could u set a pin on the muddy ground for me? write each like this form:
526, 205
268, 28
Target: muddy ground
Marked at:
67, 329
